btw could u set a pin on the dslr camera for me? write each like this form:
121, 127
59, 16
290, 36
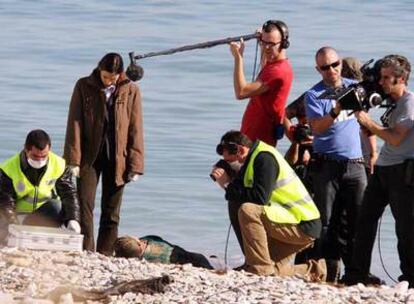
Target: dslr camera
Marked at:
364, 95
227, 168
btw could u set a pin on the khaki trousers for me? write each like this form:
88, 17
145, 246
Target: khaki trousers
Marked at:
270, 248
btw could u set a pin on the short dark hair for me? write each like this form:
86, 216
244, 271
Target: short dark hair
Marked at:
38, 139
399, 64
112, 63
232, 138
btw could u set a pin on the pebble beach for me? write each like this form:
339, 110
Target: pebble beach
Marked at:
45, 277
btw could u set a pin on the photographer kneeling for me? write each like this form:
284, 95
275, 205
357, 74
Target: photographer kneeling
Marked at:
269, 207
393, 179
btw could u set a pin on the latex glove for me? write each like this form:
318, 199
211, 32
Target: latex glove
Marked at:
73, 226
75, 170
132, 177
9, 215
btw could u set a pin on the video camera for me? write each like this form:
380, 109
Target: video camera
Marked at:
363, 95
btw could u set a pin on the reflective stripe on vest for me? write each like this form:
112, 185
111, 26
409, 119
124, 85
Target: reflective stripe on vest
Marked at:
289, 202
30, 197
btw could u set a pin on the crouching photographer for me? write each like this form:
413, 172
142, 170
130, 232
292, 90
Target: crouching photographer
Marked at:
393, 179
271, 212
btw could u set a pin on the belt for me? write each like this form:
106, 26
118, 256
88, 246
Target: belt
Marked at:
326, 157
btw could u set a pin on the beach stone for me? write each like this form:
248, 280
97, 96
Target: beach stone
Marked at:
401, 287
6, 298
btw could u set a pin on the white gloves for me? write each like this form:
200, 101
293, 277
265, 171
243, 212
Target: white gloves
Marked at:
73, 226
75, 170
133, 177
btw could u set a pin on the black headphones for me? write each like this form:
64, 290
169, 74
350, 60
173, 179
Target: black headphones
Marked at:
283, 30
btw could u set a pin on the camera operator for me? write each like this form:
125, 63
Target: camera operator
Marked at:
271, 208
393, 179
337, 168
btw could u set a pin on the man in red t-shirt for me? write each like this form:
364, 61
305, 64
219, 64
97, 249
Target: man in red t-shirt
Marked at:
264, 114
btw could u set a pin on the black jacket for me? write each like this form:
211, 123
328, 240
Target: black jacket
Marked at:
64, 187
266, 170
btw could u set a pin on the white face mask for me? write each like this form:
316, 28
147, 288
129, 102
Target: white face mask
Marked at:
235, 165
37, 164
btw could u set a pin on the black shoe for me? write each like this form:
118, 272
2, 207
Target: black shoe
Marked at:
240, 268
369, 279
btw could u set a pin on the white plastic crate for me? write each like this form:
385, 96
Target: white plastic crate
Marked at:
44, 238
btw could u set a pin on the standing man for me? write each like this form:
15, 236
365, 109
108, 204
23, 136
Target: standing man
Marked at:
393, 179
337, 167
104, 135
36, 187
276, 215
264, 114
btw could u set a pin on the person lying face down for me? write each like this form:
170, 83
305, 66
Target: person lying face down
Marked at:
155, 249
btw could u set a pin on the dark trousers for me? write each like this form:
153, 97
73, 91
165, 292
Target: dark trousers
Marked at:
110, 205
182, 256
48, 215
338, 191
386, 186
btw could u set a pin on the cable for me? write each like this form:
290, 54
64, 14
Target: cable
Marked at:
255, 61
380, 253
226, 247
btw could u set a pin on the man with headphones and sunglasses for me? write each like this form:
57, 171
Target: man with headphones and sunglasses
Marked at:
337, 165
393, 179
272, 213
265, 111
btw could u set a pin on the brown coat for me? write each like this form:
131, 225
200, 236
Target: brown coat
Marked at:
85, 126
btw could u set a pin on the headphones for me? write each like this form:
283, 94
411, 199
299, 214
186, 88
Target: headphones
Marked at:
283, 30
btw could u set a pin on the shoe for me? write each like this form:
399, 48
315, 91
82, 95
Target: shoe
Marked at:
333, 270
240, 268
370, 279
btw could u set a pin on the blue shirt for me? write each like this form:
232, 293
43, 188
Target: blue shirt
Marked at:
341, 140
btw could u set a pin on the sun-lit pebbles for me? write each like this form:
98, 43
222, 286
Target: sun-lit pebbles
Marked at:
29, 277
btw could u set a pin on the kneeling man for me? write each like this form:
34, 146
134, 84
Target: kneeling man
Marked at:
273, 211
36, 188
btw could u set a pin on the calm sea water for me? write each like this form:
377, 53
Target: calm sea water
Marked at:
188, 97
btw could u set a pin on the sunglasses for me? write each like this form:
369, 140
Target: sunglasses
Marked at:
328, 66
231, 147
268, 44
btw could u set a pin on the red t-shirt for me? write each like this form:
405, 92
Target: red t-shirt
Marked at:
266, 111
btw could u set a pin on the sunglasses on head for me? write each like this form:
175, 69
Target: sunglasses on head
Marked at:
230, 146
326, 67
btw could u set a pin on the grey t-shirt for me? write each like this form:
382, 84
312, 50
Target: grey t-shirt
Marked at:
403, 114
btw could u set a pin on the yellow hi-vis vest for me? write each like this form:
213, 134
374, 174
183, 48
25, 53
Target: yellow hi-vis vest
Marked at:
30, 197
290, 202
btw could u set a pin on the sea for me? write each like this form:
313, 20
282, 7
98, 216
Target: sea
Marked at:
188, 98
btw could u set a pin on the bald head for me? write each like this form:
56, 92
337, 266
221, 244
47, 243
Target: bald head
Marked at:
325, 50
329, 65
